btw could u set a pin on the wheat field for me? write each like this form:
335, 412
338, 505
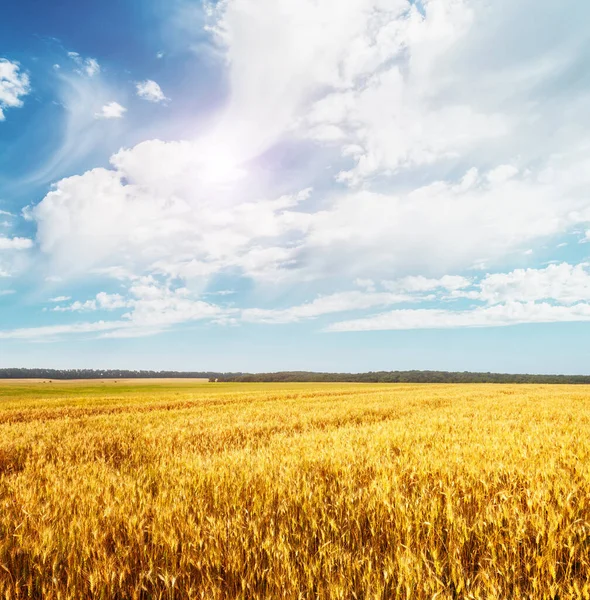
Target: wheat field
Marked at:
295, 491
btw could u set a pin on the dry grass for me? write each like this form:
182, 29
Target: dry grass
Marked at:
294, 491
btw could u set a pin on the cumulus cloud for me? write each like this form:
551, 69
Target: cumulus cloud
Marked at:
14, 255
158, 210
150, 90
112, 110
103, 301
564, 283
445, 226
157, 207
14, 85
15, 243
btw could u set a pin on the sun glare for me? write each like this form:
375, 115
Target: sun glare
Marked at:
220, 166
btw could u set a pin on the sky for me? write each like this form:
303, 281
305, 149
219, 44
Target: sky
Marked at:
327, 185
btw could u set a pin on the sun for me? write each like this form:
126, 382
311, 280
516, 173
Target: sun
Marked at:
221, 166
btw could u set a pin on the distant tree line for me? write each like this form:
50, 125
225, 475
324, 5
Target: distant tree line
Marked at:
99, 374
297, 376
402, 377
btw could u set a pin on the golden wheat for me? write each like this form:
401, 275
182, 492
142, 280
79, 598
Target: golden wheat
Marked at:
294, 491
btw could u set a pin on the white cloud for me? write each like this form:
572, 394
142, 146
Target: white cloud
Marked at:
185, 225
152, 306
324, 305
422, 87
89, 305
103, 301
15, 243
564, 283
159, 306
91, 67
396, 110
418, 283
14, 85
367, 284
222, 293
110, 301
53, 331
112, 110
274, 71
87, 66
502, 174
557, 293
512, 298
443, 226
155, 307
60, 299
500, 315
414, 135
150, 90
157, 210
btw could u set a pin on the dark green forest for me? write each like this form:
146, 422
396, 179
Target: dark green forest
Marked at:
298, 376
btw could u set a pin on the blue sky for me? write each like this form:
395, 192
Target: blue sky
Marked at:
295, 184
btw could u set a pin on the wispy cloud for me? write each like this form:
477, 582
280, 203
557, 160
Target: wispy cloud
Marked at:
501, 315
326, 305
53, 331
87, 66
79, 98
